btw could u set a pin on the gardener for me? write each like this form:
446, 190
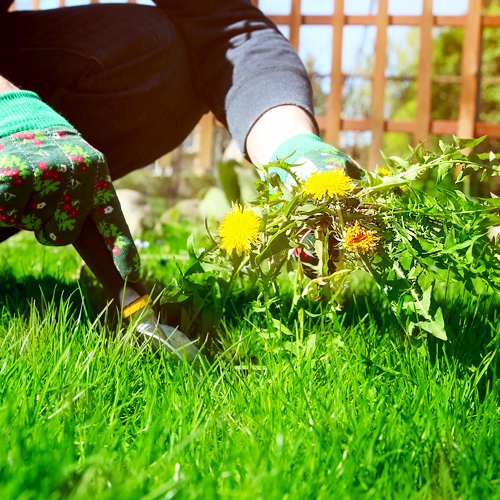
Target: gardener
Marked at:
134, 80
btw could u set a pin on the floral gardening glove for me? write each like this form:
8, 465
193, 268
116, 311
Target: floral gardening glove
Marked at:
312, 155
51, 180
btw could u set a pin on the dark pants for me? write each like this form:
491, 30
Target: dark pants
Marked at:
119, 73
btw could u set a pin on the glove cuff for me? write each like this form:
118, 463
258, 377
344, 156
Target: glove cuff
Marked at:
312, 155
23, 110
299, 145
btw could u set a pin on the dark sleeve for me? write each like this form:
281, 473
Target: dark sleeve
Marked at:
242, 64
4, 5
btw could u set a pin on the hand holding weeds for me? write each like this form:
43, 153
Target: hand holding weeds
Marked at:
409, 241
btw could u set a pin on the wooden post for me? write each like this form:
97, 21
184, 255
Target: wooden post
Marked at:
334, 104
295, 21
471, 68
424, 78
206, 142
471, 56
378, 85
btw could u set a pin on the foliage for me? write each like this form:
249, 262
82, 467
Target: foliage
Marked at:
401, 87
315, 404
408, 241
86, 415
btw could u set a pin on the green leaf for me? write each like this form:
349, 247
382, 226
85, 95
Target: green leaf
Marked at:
468, 143
458, 246
190, 246
421, 307
443, 170
212, 267
229, 180
173, 293
291, 205
281, 327
401, 163
278, 243
435, 326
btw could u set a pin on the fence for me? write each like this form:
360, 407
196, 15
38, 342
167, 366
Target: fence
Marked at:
333, 122
466, 125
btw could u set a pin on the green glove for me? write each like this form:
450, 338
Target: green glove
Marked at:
312, 155
51, 180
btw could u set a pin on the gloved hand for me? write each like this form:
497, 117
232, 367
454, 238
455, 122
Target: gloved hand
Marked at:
51, 180
313, 155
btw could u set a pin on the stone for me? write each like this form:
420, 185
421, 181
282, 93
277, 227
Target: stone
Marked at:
137, 211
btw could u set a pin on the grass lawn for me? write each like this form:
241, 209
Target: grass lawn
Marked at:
345, 407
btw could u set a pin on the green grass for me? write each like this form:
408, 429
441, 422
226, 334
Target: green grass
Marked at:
345, 408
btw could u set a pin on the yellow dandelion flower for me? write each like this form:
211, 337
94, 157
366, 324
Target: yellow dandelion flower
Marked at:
358, 239
383, 171
239, 230
333, 183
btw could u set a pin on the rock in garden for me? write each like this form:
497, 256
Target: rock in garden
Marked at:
138, 213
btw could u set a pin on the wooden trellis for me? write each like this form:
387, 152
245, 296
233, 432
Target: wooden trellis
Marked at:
466, 125
333, 123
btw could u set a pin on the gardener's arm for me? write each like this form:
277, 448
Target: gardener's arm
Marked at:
254, 82
89, 243
287, 131
6, 86
273, 128
244, 66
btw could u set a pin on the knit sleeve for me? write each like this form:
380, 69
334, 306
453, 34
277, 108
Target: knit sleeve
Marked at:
242, 65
